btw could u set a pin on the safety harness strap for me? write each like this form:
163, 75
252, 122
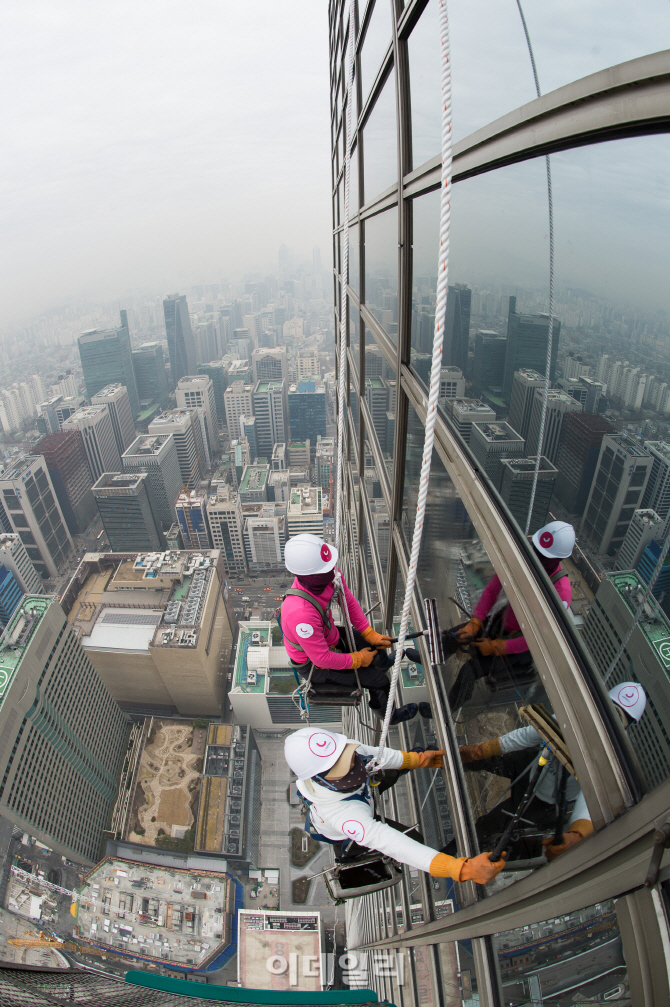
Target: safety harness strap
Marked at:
555, 577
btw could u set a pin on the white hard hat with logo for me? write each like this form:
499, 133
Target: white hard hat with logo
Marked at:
309, 555
631, 697
313, 750
556, 540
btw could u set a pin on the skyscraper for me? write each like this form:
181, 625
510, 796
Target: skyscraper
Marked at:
191, 515
657, 493
32, 509
248, 430
617, 490
128, 513
66, 460
197, 392
63, 735
10, 595
488, 366
307, 411
106, 357
95, 426
157, 456
115, 397
524, 383
527, 337
376, 397
559, 405
516, 485
238, 399
457, 327
184, 425
645, 527
490, 443
216, 370
150, 374
465, 412
269, 365
14, 557
181, 346
270, 408
224, 514
577, 457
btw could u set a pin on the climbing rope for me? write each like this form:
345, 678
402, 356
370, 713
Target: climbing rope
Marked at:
345, 279
431, 411
550, 334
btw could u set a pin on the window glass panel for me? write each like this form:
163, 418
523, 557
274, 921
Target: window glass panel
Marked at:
381, 269
354, 259
378, 38
380, 396
353, 183
425, 237
425, 88
380, 155
572, 959
354, 332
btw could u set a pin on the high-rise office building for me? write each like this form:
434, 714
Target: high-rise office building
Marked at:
106, 357
270, 408
150, 374
47, 415
205, 340
307, 410
31, 506
645, 527
465, 412
68, 467
617, 491
10, 595
197, 392
488, 366
457, 327
238, 399
524, 385
269, 365
325, 462
305, 511
559, 405
156, 454
279, 458
14, 557
226, 523
248, 428
375, 362
254, 483
129, 515
191, 515
95, 426
63, 736
490, 443
577, 457
216, 370
115, 397
646, 569
594, 392
527, 337
452, 384
265, 535
307, 365
184, 425
181, 346
68, 407
657, 492
376, 397
516, 485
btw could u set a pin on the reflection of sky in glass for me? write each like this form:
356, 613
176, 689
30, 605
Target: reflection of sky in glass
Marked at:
377, 40
380, 156
490, 63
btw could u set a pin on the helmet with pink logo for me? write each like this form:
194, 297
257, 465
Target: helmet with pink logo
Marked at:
313, 750
556, 540
306, 555
631, 697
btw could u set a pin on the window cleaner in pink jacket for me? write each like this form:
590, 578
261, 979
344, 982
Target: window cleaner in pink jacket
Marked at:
313, 640
509, 651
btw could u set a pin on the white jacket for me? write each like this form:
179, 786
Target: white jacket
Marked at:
336, 817
528, 737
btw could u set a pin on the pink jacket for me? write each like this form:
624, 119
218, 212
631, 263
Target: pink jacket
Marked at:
302, 623
489, 597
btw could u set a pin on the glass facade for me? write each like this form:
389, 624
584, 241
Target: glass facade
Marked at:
609, 405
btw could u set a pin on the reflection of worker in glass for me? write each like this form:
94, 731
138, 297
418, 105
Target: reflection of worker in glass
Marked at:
509, 650
512, 754
313, 641
334, 783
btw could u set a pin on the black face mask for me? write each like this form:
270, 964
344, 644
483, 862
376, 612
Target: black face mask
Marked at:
550, 563
317, 582
354, 779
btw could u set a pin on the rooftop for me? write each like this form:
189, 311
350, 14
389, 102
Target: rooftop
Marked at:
17, 636
172, 416
653, 622
146, 444
254, 478
110, 391
495, 432
627, 443
119, 481
660, 447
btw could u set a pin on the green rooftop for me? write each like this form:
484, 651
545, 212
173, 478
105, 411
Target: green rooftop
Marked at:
254, 478
18, 633
657, 629
245, 640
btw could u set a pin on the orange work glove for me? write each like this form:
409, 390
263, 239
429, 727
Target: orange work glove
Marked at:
480, 869
363, 658
468, 632
444, 866
376, 639
577, 831
491, 648
422, 760
487, 750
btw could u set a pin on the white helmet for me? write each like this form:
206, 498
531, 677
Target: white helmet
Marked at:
308, 555
313, 750
631, 697
556, 540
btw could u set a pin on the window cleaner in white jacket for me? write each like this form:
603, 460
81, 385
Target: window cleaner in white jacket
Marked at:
333, 781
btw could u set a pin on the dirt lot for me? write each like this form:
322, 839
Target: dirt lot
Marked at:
168, 781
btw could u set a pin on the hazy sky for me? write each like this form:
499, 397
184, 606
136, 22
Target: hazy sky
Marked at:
153, 144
